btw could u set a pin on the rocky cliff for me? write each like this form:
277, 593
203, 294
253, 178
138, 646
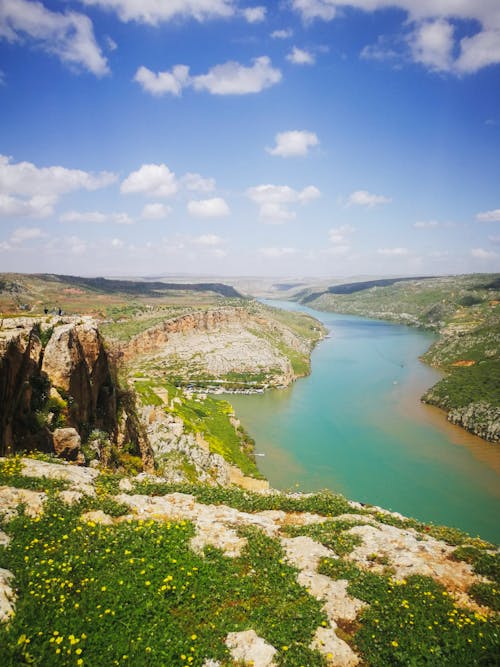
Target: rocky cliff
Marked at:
55, 375
231, 347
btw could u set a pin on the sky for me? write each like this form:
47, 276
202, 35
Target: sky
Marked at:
306, 138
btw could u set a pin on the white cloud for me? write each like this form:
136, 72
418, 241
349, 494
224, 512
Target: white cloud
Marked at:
164, 82
75, 245
254, 14
393, 252
232, 78
479, 51
495, 240
365, 198
155, 212
431, 40
339, 234
282, 34
275, 253
208, 240
489, 216
432, 43
28, 190
295, 142
24, 178
117, 243
36, 207
196, 183
96, 217
153, 180
22, 234
316, 9
154, 12
68, 35
300, 57
274, 200
208, 208
481, 253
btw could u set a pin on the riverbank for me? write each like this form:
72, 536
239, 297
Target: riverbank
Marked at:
343, 427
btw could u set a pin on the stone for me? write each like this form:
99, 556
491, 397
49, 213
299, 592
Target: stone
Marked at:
125, 485
67, 443
97, 516
336, 651
247, 647
11, 497
7, 596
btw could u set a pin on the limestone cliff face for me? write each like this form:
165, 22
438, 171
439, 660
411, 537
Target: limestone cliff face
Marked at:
20, 355
200, 321
74, 362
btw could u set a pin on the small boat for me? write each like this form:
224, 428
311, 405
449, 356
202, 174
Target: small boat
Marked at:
259, 454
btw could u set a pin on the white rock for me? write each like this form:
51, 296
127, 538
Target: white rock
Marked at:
337, 652
97, 516
11, 497
249, 648
125, 485
7, 596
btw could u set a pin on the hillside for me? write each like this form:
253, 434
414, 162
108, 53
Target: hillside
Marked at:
101, 568
465, 312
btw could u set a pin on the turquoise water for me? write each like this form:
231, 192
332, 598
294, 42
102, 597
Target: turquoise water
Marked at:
348, 427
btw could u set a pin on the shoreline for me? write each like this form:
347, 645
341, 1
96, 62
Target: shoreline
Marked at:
410, 403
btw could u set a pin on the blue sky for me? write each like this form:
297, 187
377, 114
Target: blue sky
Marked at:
225, 137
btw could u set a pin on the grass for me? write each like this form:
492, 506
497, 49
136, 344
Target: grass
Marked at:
136, 594
11, 475
209, 417
414, 621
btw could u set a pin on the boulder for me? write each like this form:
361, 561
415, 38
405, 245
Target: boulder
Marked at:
67, 443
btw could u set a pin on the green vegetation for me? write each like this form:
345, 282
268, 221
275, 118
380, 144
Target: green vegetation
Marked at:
208, 417
413, 621
11, 475
331, 534
135, 593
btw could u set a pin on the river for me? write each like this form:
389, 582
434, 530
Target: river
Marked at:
356, 426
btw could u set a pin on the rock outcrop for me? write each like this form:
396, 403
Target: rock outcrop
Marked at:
54, 372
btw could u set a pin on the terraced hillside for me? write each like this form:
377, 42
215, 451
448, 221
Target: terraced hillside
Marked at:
465, 311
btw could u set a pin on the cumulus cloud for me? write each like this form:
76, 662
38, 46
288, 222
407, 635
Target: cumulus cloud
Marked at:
293, 143
68, 35
275, 253
429, 28
154, 12
154, 180
489, 216
432, 44
28, 190
300, 57
96, 217
340, 234
481, 253
274, 200
230, 78
196, 183
254, 14
285, 33
36, 207
367, 199
208, 208
22, 234
155, 212
393, 252
163, 82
